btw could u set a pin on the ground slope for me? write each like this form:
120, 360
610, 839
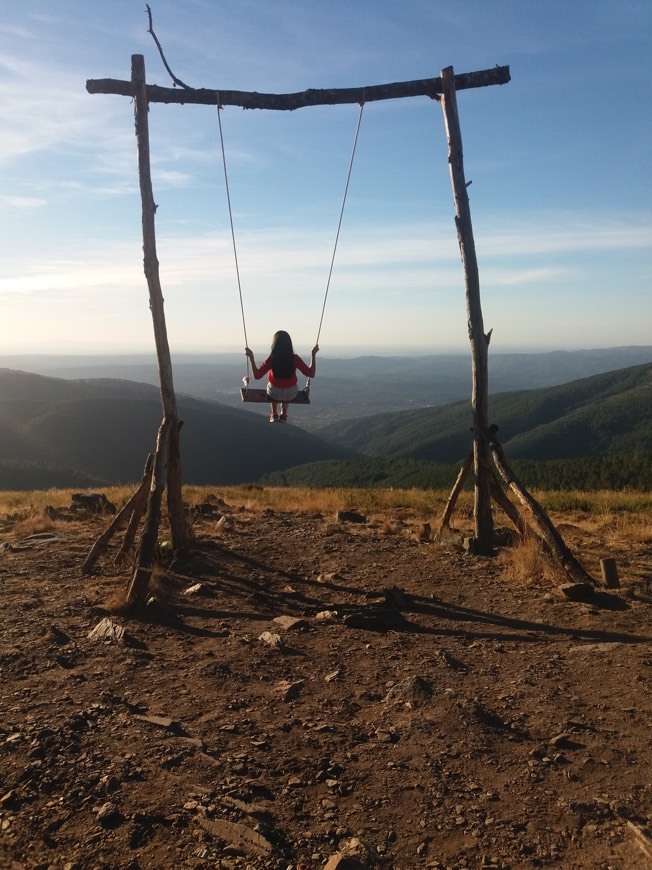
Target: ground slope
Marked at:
437, 713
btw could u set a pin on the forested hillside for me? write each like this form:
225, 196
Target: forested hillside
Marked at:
614, 472
604, 414
55, 432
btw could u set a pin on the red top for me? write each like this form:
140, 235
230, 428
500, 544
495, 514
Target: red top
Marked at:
297, 362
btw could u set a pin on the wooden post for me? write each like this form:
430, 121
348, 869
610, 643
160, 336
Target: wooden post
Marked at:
151, 266
479, 341
457, 489
510, 510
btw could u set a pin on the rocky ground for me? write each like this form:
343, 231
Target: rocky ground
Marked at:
304, 693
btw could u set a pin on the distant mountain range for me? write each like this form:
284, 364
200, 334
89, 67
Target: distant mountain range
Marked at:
94, 432
345, 389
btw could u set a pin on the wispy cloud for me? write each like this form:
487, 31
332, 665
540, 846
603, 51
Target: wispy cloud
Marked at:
563, 233
170, 178
408, 255
44, 109
515, 277
22, 202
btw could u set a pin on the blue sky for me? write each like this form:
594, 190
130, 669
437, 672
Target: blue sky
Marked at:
559, 161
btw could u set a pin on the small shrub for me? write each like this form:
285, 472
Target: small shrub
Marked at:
525, 561
33, 524
388, 528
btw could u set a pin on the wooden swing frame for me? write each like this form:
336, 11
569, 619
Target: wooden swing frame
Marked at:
166, 463
167, 467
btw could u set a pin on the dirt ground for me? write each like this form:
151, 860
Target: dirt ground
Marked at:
413, 707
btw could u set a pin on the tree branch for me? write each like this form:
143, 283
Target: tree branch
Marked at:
160, 51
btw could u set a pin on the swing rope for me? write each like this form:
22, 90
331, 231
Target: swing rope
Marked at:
339, 224
337, 235
235, 249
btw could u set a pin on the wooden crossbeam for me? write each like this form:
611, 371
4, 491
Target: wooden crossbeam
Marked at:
498, 75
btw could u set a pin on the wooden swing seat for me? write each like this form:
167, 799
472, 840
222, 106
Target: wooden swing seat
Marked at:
249, 395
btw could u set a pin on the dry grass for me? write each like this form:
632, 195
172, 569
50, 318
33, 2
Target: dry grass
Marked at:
33, 523
18, 505
525, 562
388, 528
618, 529
597, 524
598, 501
423, 504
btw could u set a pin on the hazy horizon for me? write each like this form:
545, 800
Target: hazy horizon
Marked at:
336, 353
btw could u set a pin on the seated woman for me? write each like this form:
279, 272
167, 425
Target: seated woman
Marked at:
282, 364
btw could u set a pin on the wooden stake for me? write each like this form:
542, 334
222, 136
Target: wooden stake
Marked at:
643, 840
139, 586
101, 544
479, 341
503, 502
609, 571
457, 489
139, 507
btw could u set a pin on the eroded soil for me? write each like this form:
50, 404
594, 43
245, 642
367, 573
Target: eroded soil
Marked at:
418, 709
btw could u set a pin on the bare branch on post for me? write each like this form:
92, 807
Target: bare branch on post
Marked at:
479, 341
177, 81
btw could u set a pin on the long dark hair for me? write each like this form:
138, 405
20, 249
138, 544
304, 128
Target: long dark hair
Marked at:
282, 355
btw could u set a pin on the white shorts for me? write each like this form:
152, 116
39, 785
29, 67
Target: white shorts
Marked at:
282, 394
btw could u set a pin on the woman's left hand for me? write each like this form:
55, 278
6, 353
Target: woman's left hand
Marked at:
315, 350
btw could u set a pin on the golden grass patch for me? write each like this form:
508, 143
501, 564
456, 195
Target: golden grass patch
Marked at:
525, 562
33, 523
